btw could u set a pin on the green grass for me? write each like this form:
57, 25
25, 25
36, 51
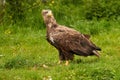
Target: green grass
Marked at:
26, 55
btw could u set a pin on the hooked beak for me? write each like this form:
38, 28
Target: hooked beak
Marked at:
49, 14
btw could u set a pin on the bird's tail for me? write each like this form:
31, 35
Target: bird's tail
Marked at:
96, 53
97, 48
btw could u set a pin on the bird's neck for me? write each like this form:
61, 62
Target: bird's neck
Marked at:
51, 27
51, 22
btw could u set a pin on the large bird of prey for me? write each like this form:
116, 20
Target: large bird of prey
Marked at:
67, 40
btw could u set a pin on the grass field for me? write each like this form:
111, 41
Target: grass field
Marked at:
26, 55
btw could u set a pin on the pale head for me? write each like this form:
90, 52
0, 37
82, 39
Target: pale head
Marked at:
47, 13
48, 18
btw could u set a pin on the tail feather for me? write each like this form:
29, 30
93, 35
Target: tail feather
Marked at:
97, 48
96, 53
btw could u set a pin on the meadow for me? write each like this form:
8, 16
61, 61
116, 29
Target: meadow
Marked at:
26, 55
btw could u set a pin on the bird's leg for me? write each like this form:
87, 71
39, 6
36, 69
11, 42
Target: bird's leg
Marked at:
61, 57
67, 62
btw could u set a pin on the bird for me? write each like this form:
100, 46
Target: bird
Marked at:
67, 41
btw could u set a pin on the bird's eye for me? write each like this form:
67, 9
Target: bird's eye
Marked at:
46, 12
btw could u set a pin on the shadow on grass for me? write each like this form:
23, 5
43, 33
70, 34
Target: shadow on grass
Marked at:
86, 60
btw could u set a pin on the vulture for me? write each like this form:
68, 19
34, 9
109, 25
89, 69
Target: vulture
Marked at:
67, 40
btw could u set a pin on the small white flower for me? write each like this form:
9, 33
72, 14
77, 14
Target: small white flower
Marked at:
1, 55
47, 78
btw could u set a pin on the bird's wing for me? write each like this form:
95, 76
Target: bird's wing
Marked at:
71, 40
87, 36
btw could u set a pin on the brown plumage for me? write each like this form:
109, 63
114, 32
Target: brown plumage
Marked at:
67, 40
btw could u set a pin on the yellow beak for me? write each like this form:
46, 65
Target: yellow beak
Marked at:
49, 14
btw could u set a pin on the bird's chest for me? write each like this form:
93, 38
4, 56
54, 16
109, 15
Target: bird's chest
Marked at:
50, 38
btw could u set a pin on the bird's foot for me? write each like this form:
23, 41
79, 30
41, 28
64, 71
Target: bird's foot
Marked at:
59, 62
67, 62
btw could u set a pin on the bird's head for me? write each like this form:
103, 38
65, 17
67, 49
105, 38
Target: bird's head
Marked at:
47, 13
48, 17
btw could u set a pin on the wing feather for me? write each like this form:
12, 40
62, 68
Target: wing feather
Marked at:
71, 40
